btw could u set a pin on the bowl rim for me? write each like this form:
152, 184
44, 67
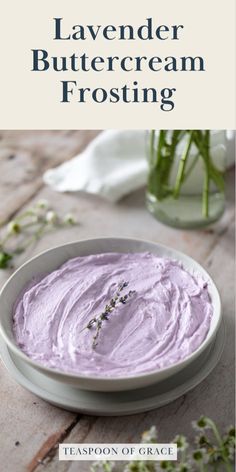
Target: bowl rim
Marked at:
70, 375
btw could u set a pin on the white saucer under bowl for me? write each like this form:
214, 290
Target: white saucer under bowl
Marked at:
114, 403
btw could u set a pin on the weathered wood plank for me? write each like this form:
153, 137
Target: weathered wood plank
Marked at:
24, 156
39, 426
27, 420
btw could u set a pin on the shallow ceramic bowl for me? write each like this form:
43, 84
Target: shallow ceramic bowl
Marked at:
51, 260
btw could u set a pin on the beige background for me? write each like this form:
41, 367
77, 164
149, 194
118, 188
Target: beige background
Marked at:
203, 100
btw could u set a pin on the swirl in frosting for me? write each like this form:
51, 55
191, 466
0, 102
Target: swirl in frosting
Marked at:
167, 317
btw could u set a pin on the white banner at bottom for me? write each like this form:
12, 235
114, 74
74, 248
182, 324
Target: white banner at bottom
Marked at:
117, 452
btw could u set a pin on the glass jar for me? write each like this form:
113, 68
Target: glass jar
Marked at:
185, 185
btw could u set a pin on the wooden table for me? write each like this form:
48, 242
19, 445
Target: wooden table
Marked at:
38, 426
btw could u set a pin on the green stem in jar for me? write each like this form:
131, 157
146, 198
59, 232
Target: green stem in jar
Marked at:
152, 144
154, 180
215, 174
170, 156
161, 162
205, 195
182, 165
191, 167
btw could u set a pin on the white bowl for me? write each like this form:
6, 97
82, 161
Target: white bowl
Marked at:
55, 257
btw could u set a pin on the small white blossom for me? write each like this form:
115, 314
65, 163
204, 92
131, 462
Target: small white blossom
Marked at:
42, 204
51, 216
202, 424
184, 467
150, 435
13, 227
35, 219
102, 466
231, 451
70, 219
201, 455
181, 442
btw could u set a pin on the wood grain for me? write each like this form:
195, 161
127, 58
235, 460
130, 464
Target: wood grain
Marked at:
24, 156
37, 425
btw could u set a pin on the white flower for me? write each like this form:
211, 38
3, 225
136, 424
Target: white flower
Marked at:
150, 435
181, 442
51, 216
13, 227
70, 219
184, 467
42, 204
231, 451
202, 424
201, 455
35, 219
102, 466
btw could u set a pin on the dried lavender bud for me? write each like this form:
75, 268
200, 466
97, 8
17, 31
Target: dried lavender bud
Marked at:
91, 323
116, 299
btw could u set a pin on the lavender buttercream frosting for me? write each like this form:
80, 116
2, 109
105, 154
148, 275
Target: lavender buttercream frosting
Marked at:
165, 320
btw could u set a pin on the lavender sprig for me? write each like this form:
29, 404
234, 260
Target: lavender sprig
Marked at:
104, 316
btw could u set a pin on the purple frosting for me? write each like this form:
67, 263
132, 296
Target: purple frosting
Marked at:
165, 320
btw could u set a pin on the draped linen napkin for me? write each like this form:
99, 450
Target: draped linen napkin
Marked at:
114, 164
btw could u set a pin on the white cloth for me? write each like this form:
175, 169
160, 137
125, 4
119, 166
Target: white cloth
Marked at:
113, 165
